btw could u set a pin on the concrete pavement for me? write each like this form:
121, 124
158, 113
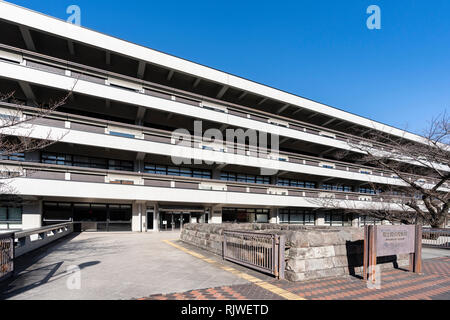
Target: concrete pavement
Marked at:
113, 266
430, 253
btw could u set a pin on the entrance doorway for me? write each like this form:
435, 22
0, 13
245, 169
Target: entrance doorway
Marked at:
174, 220
149, 220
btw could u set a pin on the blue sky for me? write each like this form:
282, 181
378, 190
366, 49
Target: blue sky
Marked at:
321, 50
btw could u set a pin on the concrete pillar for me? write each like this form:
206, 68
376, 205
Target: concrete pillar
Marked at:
136, 220
320, 219
274, 180
139, 165
205, 215
144, 217
273, 216
355, 221
33, 156
216, 174
32, 215
155, 217
216, 215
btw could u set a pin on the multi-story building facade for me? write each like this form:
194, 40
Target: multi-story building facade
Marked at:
112, 166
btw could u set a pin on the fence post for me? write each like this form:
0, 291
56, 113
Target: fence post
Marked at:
282, 262
224, 251
418, 250
275, 250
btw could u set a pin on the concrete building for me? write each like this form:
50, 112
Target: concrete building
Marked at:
112, 166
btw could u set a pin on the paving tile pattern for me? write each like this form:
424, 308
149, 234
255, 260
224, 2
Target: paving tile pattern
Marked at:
433, 284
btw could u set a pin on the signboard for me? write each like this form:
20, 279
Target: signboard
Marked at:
392, 240
381, 241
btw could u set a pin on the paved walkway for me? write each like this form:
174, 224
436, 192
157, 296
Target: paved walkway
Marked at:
113, 266
433, 284
155, 266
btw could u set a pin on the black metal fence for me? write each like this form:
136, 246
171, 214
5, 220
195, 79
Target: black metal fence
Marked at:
260, 251
436, 238
6, 255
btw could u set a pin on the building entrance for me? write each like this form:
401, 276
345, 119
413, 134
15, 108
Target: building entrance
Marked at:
171, 220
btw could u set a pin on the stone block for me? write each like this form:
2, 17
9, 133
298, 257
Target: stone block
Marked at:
296, 265
319, 264
340, 261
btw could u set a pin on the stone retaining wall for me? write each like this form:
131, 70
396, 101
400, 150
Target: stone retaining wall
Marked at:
312, 252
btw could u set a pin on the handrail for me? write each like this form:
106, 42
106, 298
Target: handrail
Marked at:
29, 232
188, 95
195, 139
29, 240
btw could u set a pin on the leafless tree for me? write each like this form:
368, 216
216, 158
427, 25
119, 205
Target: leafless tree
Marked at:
15, 115
421, 167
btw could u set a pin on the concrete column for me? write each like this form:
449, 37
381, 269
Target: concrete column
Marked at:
33, 156
216, 215
144, 217
355, 221
139, 165
136, 220
320, 219
216, 174
274, 179
273, 216
155, 217
32, 215
203, 216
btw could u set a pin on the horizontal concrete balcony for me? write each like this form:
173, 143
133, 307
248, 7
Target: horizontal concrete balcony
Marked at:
59, 181
100, 133
48, 71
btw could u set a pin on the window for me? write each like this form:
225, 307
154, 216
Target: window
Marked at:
366, 190
246, 178
245, 215
311, 185
337, 187
55, 158
13, 156
121, 134
177, 171
297, 216
86, 162
120, 165
296, 183
11, 214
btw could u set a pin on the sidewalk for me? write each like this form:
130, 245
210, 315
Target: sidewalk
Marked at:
433, 284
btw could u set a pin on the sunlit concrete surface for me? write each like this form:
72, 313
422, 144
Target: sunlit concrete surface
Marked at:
430, 253
113, 266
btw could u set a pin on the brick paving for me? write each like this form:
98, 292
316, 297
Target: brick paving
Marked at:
433, 284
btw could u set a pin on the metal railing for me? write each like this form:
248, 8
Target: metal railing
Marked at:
6, 255
436, 238
260, 251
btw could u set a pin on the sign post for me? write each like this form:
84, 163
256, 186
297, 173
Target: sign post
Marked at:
381, 241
